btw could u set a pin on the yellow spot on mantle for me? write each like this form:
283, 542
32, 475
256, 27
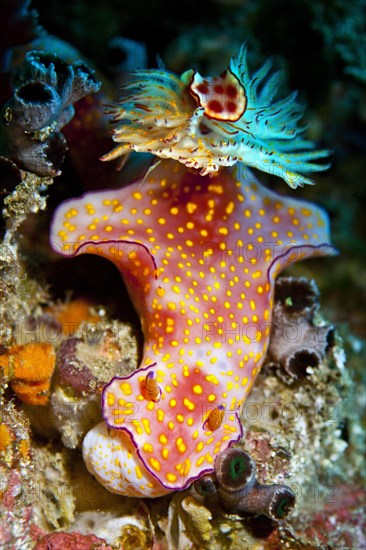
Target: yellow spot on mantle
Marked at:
171, 477
163, 439
126, 388
191, 207
189, 404
155, 464
111, 399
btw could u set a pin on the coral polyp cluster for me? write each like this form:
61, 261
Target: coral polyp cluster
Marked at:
207, 123
235, 488
297, 340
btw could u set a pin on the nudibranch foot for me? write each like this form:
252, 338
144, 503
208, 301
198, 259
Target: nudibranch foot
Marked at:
112, 459
208, 123
199, 257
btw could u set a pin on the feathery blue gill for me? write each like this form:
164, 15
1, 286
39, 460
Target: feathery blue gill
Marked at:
206, 123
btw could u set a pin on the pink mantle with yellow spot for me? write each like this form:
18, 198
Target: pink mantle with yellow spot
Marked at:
199, 256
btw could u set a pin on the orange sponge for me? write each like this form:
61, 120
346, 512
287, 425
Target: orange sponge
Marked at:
30, 367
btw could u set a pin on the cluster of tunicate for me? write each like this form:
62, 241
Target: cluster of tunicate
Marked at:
297, 341
234, 487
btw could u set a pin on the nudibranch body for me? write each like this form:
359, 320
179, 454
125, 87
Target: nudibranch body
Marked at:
206, 123
199, 256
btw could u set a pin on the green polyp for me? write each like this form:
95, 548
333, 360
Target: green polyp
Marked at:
237, 467
234, 469
289, 302
282, 508
283, 501
205, 486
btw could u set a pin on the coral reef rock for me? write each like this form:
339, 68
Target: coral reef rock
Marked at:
42, 103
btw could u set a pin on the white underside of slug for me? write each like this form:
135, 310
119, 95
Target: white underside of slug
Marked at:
111, 457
